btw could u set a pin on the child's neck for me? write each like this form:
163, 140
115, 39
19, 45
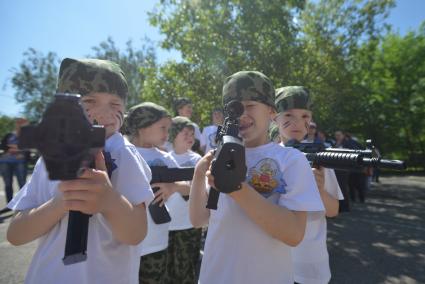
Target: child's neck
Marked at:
142, 143
179, 150
256, 142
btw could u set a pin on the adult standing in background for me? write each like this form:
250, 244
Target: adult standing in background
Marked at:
209, 132
13, 162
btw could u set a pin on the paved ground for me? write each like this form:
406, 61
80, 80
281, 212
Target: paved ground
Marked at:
381, 241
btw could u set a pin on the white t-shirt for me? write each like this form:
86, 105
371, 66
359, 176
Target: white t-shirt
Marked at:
108, 260
157, 236
198, 134
311, 258
237, 250
208, 137
178, 206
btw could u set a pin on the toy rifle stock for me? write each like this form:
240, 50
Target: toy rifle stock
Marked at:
67, 142
345, 159
159, 214
228, 166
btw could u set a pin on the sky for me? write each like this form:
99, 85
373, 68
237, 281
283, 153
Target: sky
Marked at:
71, 28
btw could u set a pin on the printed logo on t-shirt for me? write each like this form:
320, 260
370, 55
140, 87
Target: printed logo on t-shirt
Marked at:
156, 162
211, 139
266, 178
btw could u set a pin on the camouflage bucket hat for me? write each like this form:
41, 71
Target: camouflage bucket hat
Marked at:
83, 76
293, 97
273, 131
144, 115
177, 125
248, 85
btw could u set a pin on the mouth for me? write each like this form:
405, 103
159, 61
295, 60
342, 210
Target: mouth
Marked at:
245, 126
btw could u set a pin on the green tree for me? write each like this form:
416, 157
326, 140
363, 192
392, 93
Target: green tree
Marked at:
35, 81
7, 124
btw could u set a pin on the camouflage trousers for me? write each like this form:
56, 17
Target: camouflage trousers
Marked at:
183, 256
153, 267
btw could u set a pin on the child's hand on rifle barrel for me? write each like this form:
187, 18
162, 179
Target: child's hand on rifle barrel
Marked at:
90, 193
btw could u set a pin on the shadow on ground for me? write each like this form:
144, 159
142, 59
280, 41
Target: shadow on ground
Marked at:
382, 240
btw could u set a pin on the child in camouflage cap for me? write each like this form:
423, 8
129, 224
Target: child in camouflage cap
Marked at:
250, 234
310, 257
116, 202
148, 125
185, 241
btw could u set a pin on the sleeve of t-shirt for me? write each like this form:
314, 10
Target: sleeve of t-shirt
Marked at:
204, 137
301, 189
35, 192
132, 176
331, 184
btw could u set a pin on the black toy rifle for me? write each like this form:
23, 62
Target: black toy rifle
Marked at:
228, 166
344, 159
67, 142
159, 214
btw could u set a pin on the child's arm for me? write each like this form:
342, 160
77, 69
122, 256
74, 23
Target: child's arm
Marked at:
331, 204
29, 225
280, 223
199, 214
167, 189
93, 193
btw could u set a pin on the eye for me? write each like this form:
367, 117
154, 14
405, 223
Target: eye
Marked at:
88, 100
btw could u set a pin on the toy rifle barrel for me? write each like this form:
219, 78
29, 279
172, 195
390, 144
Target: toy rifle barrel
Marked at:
351, 161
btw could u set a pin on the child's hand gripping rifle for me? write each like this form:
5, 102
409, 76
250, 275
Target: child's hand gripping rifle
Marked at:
228, 166
67, 142
160, 214
344, 159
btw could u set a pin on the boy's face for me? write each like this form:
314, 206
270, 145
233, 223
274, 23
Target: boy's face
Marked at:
107, 109
294, 123
157, 133
185, 111
217, 117
185, 138
254, 123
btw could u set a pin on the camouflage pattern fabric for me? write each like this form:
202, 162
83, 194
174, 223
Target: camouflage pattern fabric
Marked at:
83, 76
248, 85
144, 115
273, 131
177, 125
292, 97
153, 267
182, 256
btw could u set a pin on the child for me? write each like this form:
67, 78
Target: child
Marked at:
251, 232
185, 241
116, 203
183, 107
148, 124
209, 132
310, 257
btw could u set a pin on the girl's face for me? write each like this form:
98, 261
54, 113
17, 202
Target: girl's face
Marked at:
107, 109
185, 139
155, 134
254, 123
293, 124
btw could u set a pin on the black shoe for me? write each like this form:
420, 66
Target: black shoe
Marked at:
5, 210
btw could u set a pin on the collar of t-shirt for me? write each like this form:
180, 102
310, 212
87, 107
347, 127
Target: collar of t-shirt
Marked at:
258, 149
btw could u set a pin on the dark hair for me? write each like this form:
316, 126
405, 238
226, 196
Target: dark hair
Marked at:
181, 102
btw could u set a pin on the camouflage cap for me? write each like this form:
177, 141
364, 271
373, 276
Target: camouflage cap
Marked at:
248, 85
273, 131
144, 115
83, 76
293, 97
177, 125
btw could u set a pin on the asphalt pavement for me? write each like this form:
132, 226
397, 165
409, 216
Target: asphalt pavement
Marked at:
380, 241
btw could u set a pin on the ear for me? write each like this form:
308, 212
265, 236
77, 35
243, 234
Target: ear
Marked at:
272, 113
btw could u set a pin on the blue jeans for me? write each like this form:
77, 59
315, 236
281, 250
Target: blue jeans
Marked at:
8, 170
